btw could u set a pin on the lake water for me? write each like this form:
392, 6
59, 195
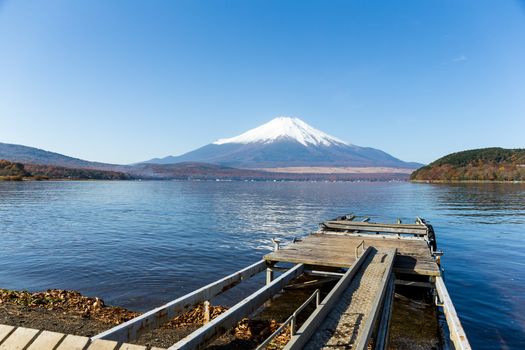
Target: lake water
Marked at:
139, 244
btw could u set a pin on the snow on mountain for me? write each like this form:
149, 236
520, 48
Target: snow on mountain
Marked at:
286, 142
284, 128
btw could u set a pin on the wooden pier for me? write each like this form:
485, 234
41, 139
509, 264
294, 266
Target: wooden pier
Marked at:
366, 259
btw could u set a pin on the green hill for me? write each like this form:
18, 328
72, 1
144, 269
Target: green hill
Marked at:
485, 164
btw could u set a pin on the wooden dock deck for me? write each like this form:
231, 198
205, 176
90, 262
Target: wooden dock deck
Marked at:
337, 250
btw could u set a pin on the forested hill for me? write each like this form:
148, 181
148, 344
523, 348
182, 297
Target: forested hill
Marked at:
14, 171
485, 164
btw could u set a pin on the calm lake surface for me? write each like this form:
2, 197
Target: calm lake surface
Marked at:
139, 244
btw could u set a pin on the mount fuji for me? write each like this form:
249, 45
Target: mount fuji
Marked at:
286, 142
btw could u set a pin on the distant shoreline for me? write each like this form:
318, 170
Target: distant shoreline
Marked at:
468, 181
209, 180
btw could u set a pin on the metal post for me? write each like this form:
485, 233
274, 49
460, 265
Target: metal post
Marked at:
276, 243
269, 275
207, 316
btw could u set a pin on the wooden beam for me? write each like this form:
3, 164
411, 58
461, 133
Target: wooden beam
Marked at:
206, 334
316, 318
132, 329
373, 227
457, 334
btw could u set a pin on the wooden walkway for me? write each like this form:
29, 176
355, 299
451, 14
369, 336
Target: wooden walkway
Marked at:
337, 250
350, 323
20, 338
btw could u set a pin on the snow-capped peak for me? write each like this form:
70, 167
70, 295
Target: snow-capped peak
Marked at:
284, 128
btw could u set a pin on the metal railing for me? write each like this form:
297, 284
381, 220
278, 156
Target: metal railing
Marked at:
292, 320
362, 244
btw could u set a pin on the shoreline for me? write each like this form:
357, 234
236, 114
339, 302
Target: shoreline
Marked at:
69, 312
467, 181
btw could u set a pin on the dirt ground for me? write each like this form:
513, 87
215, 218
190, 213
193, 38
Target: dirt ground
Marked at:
72, 313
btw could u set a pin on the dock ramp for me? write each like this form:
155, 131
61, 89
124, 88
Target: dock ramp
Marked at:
348, 315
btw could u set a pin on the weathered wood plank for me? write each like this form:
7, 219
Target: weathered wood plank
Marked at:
204, 335
373, 227
379, 224
5, 331
133, 328
127, 346
19, 339
46, 341
73, 342
101, 344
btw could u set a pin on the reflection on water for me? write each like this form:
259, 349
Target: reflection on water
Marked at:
138, 244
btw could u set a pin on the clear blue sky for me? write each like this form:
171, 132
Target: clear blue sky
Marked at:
125, 81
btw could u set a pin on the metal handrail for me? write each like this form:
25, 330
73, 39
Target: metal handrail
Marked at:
292, 319
357, 249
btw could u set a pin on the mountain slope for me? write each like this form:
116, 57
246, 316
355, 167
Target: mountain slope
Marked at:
485, 164
32, 155
286, 142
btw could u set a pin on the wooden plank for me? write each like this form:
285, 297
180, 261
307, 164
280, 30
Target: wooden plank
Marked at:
101, 344
19, 339
379, 224
46, 341
457, 334
5, 330
371, 227
207, 333
347, 241
73, 342
304, 333
132, 329
127, 346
